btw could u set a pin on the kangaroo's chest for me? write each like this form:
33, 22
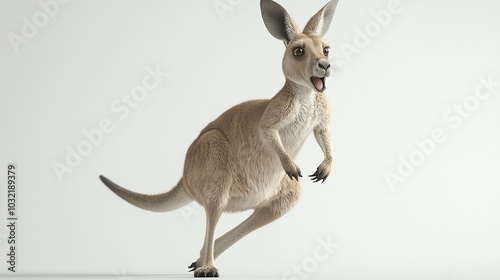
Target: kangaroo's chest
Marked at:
302, 123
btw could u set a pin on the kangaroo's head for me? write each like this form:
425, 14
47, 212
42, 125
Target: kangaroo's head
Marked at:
306, 55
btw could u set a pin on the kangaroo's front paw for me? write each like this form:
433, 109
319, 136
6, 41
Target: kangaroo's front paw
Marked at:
206, 271
292, 170
321, 173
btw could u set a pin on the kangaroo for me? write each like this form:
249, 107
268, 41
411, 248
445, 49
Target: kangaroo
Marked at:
245, 158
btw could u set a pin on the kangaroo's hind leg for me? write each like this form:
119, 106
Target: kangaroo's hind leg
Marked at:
208, 179
274, 209
207, 268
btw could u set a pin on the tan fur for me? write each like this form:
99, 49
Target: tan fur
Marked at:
245, 158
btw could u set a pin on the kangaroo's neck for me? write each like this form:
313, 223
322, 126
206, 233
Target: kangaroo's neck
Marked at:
303, 94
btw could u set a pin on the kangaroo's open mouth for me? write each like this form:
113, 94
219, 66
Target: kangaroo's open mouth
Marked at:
318, 83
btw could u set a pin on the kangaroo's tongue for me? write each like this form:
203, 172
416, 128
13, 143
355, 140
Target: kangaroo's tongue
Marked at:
318, 83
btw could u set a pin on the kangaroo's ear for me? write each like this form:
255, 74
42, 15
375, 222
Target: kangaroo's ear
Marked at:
320, 22
278, 21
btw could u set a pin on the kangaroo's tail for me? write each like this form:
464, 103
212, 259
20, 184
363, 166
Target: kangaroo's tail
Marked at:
164, 202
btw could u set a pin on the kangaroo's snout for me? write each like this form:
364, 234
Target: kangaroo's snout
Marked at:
324, 64
323, 67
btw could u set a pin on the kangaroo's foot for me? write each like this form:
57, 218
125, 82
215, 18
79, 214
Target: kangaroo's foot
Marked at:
206, 271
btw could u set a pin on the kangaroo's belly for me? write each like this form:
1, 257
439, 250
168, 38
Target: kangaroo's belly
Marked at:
259, 173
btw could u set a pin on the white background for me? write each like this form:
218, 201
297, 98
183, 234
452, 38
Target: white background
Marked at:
442, 222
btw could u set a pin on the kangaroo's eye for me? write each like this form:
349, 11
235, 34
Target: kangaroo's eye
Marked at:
298, 51
326, 51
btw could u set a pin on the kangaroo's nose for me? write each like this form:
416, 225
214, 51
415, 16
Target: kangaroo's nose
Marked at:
324, 64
